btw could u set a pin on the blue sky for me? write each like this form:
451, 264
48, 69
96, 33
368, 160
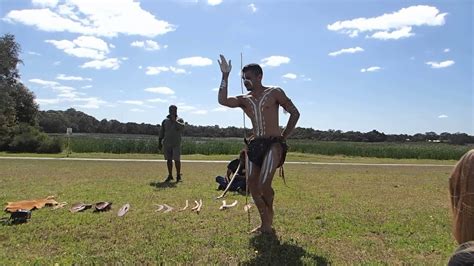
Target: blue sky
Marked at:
394, 66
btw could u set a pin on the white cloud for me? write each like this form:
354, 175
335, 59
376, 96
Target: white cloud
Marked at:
177, 70
47, 101
45, 3
66, 94
215, 89
148, 45
395, 25
62, 45
253, 8
64, 77
354, 34
133, 102
447, 50
157, 70
64, 91
404, 32
90, 103
86, 87
100, 18
443, 116
347, 51
275, 60
185, 108
92, 43
160, 90
112, 63
290, 76
137, 110
157, 100
443, 64
214, 2
45, 83
34, 53
371, 69
194, 61
83, 46
305, 78
200, 112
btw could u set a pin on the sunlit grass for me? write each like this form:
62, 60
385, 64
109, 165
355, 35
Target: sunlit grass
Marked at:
328, 213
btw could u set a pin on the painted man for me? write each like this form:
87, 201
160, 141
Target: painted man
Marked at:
170, 142
267, 147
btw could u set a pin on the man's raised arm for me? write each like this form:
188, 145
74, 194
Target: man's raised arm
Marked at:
222, 96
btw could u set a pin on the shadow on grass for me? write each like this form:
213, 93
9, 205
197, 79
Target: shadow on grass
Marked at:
270, 251
163, 184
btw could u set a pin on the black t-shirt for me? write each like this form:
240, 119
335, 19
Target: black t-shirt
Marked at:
232, 166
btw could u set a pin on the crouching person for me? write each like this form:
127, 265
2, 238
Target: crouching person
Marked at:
235, 166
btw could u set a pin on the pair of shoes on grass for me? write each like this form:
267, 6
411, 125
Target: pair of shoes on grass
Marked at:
170, 178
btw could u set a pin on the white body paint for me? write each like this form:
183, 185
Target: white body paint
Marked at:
257, 108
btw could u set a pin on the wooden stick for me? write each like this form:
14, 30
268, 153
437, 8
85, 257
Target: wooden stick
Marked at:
230, 183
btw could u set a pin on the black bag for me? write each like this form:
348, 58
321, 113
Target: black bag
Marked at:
20, 216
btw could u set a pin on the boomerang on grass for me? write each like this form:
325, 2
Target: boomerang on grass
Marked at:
226, 206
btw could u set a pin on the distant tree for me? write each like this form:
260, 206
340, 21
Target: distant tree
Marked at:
460, 139
25, 106
375, 136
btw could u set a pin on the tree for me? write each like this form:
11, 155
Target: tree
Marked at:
9, 51
18, 110
25, 106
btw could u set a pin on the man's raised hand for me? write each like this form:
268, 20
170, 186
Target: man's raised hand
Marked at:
225, 68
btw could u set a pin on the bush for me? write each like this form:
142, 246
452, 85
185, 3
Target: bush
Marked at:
29, 139
51, 145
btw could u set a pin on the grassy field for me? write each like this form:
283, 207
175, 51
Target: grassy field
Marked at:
336, 214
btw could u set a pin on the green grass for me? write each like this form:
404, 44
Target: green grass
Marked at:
327, 214
119, 144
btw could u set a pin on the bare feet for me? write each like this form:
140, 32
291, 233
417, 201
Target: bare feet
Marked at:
261, 230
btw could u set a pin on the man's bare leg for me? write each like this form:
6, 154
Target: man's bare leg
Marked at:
267, 173
255, 191
169, 164
177, 164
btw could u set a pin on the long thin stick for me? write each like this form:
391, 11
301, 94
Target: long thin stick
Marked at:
230, 183
247, 163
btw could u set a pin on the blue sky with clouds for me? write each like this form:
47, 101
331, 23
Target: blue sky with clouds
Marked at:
393, 66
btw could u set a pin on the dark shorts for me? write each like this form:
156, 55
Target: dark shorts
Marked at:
172, 153
258, 148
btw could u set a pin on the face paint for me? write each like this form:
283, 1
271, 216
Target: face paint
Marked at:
247, 82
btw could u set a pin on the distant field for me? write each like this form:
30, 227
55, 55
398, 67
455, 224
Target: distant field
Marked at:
109, 143
338, 214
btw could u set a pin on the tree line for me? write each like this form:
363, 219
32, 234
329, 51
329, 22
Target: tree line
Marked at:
80, 122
